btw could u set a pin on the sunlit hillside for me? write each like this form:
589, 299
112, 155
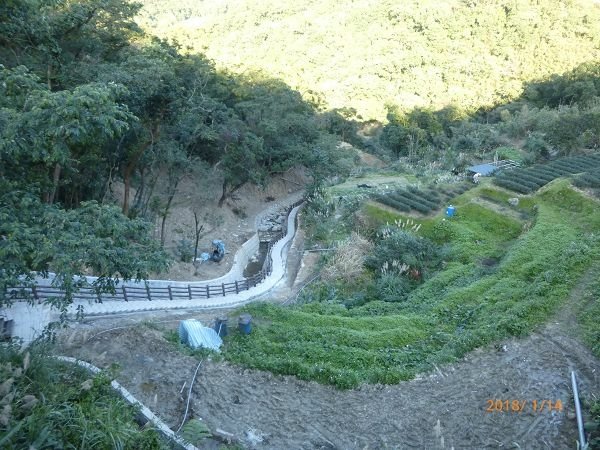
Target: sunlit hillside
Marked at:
366, 53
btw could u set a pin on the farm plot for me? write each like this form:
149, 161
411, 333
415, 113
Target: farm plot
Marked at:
530, 179
423, 201
589, 179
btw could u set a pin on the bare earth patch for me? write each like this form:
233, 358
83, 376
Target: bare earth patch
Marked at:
445, 409
234, 222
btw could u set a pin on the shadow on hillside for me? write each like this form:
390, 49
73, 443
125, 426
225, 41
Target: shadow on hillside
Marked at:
553, 117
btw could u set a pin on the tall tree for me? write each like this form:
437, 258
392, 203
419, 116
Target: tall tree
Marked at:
36, 238
48, 131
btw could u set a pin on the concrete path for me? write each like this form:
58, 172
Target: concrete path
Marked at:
30, 320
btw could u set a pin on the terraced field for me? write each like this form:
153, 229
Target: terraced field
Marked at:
423, 201
530, 179
499, 278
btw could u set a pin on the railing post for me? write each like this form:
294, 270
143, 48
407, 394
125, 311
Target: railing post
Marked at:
207, 291
190, 291
170, 293
148, 291
34, 292
223, 288
237, 288
124, 293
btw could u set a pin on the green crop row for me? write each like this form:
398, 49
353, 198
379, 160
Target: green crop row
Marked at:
421, 200
588, 180
410, 199
513, 185
415, 201
388, 201
530, 179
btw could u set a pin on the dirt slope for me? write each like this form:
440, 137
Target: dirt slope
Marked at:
273, 412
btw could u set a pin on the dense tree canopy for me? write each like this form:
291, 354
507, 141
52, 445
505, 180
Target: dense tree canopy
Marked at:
364, 53
86, 98
556, 116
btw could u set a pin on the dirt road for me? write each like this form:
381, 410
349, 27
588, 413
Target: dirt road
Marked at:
453, 407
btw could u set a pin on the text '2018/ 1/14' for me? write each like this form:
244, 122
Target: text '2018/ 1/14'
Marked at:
515, 405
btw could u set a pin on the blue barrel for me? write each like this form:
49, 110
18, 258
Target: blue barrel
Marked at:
245, 324
450, 210
221, 326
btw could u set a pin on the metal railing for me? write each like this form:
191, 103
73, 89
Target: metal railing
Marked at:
148, 292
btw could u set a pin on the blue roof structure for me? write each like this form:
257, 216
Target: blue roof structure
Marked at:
483, 169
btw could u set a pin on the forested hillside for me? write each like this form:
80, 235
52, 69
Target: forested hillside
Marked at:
108, 107
364, 54
88, 99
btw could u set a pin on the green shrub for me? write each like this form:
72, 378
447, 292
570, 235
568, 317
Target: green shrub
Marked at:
195, 432
393, 288
509, 153
400, 252
185, 250
593, 425
590, 311
537, 145
52, 404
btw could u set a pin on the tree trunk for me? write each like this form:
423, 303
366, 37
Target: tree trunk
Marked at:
197, 230
223, 195
226, 194
108, 188
55, 180
132, 163
127, 183
139, 194
49, 76
162, 229
146, 201
166, 213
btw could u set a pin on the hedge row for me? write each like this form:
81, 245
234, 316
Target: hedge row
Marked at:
421, 200
589, 180
532, 178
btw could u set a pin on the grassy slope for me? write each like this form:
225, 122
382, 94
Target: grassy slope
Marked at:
365, 53
51, 404
589, 310
460, 308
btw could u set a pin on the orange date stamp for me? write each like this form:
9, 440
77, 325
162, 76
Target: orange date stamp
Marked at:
518, 406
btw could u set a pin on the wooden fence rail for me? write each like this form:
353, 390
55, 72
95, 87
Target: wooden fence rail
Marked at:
148, 292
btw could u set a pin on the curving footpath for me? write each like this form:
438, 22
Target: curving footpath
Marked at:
30, 320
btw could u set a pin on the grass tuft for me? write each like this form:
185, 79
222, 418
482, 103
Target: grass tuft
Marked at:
53, 404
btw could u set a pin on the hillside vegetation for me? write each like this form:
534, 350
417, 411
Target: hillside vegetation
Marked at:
52, 404
88, 99
364, 54
232, 93
428, 294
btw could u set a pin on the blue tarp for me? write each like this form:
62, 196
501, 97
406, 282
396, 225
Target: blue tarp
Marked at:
194, 334
483, 169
